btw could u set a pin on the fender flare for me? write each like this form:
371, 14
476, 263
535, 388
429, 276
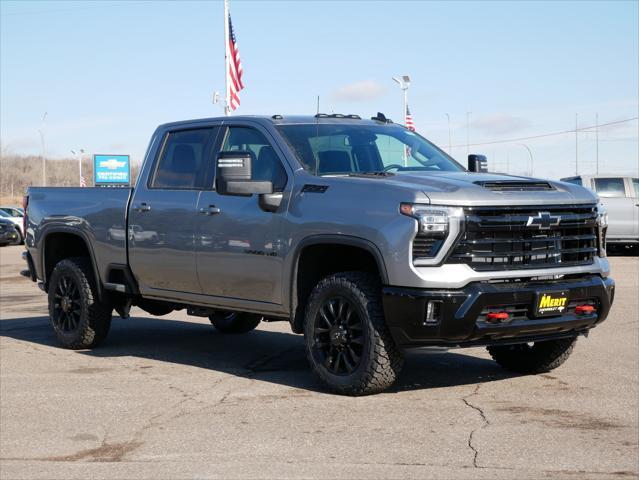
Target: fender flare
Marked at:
78, 233
321, 239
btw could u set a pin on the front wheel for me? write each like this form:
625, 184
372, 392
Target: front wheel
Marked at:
347, 341
234, 322
78, 317
535, 357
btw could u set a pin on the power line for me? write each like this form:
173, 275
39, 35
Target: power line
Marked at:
551, 134
77, 7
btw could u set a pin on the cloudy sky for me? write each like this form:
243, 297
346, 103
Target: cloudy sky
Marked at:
107, 73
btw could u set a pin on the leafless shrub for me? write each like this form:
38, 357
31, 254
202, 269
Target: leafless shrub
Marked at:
17, 172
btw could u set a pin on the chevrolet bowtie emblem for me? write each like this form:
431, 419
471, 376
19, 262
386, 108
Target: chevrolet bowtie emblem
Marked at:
543, 221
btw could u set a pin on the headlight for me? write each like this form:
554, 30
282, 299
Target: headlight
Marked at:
437, 229
602, 229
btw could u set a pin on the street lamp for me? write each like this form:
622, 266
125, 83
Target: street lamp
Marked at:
404, 83
79, 155
450, 148
531, 157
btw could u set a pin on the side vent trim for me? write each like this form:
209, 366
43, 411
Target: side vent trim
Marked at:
310, 188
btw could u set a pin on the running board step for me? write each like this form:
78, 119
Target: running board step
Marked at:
116, 287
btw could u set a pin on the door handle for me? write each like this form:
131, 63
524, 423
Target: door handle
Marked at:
143, 207
210, 210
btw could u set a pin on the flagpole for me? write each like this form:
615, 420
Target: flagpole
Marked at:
227, 95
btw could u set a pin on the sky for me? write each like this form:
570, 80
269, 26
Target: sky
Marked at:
107, 73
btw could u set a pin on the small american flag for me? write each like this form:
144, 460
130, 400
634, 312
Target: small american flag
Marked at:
409, 120
83, 182
234, 70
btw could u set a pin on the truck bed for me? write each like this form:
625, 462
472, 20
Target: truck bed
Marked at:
99, 214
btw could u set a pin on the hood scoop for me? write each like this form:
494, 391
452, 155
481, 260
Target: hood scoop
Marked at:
515, 185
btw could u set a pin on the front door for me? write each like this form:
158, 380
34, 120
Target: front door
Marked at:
163, 218
239, 245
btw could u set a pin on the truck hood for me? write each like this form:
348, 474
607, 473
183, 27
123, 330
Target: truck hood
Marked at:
475, 189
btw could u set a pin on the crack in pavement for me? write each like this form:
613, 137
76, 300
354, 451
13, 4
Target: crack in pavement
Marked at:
485, 423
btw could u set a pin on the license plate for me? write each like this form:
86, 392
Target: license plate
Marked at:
551, 303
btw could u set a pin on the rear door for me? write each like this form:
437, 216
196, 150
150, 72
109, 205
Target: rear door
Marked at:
634, 194
162, 217
621, 208
239, 244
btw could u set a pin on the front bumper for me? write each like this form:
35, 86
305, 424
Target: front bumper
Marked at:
8, 236
461, 313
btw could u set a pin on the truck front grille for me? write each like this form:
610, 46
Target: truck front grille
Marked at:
513, 238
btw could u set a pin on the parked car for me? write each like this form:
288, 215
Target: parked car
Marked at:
8, 233
620, 196
363, 235
13, 211
17, 222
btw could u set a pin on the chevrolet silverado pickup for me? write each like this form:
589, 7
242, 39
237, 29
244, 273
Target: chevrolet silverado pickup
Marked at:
362, 234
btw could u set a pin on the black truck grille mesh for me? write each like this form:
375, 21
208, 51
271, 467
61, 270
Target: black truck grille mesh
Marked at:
510, 238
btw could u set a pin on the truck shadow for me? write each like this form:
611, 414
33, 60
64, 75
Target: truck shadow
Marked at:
264, 355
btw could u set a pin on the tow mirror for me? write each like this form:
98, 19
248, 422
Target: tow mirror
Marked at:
233, 175
477, 163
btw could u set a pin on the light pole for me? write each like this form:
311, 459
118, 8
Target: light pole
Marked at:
531, 157
404, 83
79, 156
450, 143
468, 133
44, 158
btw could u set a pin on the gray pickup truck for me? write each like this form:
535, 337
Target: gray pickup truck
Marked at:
364, 236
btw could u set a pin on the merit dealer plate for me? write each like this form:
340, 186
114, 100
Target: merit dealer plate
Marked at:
551, 303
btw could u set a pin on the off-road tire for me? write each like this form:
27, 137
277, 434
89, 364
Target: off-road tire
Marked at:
94, 317
537, 358
381, 360
234, 322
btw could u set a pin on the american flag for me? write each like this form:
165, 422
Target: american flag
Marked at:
83, 182
234, 70
409, 120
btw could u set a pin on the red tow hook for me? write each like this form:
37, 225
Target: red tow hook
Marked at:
495, 317
584, 309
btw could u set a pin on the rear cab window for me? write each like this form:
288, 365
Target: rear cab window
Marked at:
184, 160
635, 185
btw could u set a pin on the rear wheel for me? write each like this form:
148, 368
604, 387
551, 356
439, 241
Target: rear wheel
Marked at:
535, 357
348, 343
78, 317
20, 239
234, 322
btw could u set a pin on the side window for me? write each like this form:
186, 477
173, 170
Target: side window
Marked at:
610, 187
635, 184
184, 160
265, 163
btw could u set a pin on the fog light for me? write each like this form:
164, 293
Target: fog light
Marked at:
433, 312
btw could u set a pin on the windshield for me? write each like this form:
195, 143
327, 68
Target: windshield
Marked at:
334, 149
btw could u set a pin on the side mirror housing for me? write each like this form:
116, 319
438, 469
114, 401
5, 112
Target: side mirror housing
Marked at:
233, 175
477, 163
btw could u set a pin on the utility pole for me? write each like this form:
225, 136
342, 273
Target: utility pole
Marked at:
576, 145
44, 156
468, 133
450, 143
597, 143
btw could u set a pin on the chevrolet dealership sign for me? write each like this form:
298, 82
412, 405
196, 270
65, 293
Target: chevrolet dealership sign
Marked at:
111, 170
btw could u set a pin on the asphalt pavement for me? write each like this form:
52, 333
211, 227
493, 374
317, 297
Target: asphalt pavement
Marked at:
169, 397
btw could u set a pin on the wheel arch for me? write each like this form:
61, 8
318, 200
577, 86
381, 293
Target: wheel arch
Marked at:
63, 242
356, 252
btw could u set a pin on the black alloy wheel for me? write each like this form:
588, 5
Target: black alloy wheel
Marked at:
338, 340
67, 307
